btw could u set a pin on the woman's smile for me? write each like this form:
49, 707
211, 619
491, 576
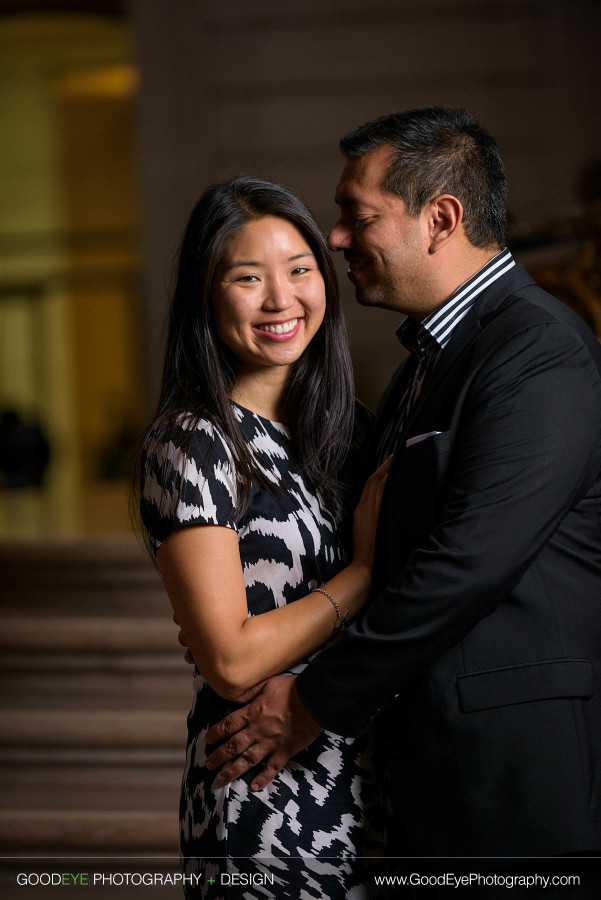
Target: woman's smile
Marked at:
279, 331
269, 296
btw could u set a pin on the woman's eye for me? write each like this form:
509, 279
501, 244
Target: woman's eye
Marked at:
299, 270
248, 278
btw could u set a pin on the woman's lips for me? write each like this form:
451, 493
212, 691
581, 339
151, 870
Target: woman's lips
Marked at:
278, 333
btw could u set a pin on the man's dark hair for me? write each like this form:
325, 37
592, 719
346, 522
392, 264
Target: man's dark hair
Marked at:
440, 150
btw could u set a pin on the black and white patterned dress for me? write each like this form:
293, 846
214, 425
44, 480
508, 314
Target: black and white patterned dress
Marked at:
325, 803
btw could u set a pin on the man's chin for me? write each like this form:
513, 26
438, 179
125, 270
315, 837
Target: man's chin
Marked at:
368, 298
377, 301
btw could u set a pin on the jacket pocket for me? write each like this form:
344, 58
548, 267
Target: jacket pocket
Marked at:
549, 679
418, 481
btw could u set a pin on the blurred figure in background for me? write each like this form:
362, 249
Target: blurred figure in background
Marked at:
24, 452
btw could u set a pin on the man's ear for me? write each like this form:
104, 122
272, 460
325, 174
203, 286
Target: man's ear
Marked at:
445, 215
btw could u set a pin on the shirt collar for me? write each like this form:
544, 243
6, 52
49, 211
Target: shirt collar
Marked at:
437, 328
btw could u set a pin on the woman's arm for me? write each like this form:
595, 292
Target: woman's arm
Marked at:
203, 576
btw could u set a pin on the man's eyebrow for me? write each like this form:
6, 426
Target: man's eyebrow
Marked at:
347, 200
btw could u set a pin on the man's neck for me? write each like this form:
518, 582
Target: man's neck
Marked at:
452, 272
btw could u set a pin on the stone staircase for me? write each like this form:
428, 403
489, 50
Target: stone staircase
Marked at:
94, 694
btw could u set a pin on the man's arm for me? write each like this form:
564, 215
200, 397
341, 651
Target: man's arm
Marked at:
529, 444
273, 725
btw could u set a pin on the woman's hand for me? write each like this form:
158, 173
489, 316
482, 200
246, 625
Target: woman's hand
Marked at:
181, 637
365, 521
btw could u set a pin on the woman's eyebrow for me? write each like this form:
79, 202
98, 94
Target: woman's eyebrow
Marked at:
300, 255
254, 262
243, 262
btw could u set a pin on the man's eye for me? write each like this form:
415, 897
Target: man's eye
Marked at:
359, 223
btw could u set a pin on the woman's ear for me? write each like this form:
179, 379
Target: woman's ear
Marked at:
445, 215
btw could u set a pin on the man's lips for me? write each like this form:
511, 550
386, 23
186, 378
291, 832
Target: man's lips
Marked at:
279, 331
356, 264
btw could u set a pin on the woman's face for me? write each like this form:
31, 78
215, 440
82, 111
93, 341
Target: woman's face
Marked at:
269, 296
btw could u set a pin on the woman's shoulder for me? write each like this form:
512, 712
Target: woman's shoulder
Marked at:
188, 477
190, 446
198, 434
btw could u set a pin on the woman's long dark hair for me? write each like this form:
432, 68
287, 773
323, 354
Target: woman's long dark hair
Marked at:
200, 371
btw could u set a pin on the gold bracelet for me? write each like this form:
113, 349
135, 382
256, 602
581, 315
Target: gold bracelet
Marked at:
340, 619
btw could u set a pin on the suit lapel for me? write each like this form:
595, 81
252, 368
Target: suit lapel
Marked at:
488, 305
389, 402
467, 330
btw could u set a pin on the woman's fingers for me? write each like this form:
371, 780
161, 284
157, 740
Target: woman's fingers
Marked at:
181, 637
382, 473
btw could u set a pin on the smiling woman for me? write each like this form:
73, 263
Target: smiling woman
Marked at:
268, 309
245, 486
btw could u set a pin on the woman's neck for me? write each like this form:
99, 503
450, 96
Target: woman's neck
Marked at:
263, 392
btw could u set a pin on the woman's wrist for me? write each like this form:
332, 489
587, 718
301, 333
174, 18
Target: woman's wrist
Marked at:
341, 617
347, 593
360, 575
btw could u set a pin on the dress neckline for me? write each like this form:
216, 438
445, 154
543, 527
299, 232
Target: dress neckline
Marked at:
263, 418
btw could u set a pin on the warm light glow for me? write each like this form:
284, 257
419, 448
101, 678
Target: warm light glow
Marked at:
112, 81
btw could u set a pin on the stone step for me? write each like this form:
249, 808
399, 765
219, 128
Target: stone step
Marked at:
100, 787
94, 681
94, 694
68, 831
88, 577
101, 729
90, 756
95, 634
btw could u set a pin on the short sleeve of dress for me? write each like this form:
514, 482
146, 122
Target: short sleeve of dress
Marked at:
187, 487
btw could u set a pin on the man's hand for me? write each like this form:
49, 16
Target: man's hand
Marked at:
273, 726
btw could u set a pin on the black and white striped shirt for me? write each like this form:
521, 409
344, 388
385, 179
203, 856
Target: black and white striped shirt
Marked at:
427, 339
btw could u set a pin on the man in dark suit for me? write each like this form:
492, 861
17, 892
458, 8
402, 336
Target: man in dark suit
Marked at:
481, 647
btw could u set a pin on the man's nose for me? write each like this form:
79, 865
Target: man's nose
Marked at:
339, 237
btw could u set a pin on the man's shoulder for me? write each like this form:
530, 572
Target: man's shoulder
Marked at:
528, 306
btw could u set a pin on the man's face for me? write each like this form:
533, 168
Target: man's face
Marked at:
386, 249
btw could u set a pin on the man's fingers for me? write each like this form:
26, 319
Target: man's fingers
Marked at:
243, 763
238, 749
226, 728
273, 767
236, 720
250, 694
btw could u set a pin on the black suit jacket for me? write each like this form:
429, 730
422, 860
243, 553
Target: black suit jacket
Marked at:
482, 644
